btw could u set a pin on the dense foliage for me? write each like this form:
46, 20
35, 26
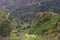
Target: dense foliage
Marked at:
45, 24
5, 24
22, 19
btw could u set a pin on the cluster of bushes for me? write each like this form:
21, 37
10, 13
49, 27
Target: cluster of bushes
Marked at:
5, 24
45, 24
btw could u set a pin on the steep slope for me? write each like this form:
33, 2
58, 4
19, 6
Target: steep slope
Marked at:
20, 7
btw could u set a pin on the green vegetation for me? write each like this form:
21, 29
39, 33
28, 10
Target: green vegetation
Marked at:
43, 26
5, 24
45, 23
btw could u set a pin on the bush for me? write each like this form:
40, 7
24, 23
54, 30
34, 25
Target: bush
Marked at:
45, 23
5, 24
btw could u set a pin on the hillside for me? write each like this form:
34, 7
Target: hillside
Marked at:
43, 27
47, 25
29, 19
21, 8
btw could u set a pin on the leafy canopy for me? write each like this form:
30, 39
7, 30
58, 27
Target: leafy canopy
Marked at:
5, 24
45, 23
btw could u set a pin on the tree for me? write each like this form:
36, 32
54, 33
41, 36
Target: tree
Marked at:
5, 24
45, 24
